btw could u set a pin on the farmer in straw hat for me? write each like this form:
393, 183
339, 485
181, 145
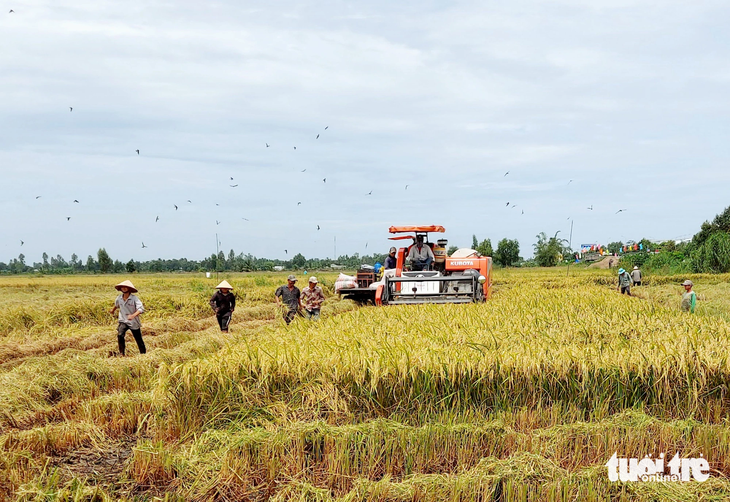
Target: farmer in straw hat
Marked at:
130, 307
223, 303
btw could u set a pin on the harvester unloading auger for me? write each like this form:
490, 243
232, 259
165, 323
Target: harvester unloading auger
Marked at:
464, 277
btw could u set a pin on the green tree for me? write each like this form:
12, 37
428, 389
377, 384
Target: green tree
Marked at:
614, 247
474, 242
45, 261
90, 264
299, 261
485, 248
131, 267
549, 252
105, 262
508, 252
452, 250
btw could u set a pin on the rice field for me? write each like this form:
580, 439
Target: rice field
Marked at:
524, 397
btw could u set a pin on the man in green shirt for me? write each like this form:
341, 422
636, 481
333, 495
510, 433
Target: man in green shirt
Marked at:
689, 298
624, 282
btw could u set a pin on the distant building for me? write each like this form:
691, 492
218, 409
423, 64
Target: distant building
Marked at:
337, 267
278, 268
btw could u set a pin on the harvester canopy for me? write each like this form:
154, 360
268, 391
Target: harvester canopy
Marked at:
416, 228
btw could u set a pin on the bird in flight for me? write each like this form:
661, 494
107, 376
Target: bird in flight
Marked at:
317, 227
157, 219
406, 187
507, 204
233, 186
591, 208
324, 180
267, 145
505, 174
68, 218
217, 222
137, 152
245, 219
175, 206
514, 205
231, 178
303, 170
317, 136
571, 181
366, 245
295, 148
299, 203
326, 128
370, 192
38, 197
620, 210
286, 252
21, 243
76, 201
143, 246
523, 211
190, 201
70, 108
11, 11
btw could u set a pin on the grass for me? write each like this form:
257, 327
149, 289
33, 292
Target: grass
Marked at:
524, 397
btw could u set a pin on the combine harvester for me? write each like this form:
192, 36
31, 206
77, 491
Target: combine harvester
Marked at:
464, 277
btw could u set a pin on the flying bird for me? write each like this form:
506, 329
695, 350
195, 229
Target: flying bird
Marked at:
11, 11
303, 170
620, 210
157, 219
143, 246
217, 222
137, 152
38, 197
370, 192
70, 108
523, 211
190, 201
233, 186
571, 181
507, 204
324, 180
591, 208
245, 219
21, 243
299, 203
175, 206
514, 205
76, 201
286, 252
68, 218
366, 245
406, 187
326, 128
505, 174
317, 227
295, 148
317, 136
231, 178
267, 145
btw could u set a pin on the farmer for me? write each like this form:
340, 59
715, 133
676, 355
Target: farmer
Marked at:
289, 297
390, 260
223, 303
636, 276
624, 282
420, 255
130, 307
312, 298
689, 298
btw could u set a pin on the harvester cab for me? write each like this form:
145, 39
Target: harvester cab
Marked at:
464, 277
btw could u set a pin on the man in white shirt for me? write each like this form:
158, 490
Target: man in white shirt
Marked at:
420, 255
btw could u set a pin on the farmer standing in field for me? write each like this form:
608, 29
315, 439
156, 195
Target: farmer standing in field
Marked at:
223, 303
312, 299
689, 298
636, 276
130, 307
624, 282
290, 297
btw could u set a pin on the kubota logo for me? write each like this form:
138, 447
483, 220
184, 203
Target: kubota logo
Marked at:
462, 263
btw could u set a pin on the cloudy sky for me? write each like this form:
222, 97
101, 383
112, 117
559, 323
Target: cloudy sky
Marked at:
626, 98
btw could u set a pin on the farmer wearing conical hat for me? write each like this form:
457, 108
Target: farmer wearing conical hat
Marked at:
223, 303
130, 307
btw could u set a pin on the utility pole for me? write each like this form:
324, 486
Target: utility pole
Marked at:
570, 245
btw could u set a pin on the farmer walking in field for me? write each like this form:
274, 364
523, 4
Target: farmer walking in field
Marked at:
223, 303
130, 307
290, 298
624, 282
636, 276
689, 298
312, 299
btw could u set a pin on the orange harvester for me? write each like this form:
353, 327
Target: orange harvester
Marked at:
465, 277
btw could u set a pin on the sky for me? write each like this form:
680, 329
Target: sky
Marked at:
503, 119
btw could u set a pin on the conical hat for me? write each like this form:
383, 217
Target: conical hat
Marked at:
128, 284
224, 285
